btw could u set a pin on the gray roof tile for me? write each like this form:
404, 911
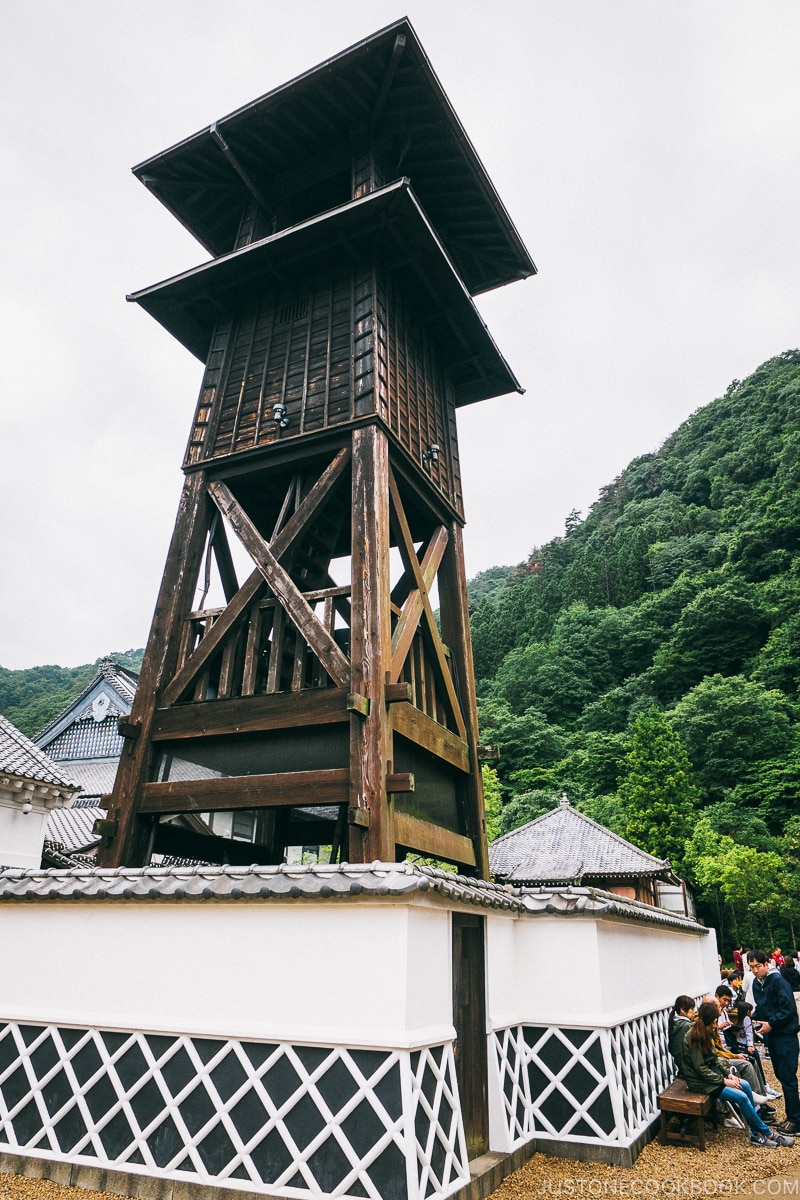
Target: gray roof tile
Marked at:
344, 882
565, 846
20, 757
71, 828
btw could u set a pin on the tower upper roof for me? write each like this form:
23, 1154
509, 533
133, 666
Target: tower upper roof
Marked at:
291, 150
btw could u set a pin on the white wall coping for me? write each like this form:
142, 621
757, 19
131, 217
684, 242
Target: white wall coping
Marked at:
329, 883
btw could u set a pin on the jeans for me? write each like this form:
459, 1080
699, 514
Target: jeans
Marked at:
783, 1051
742, 1097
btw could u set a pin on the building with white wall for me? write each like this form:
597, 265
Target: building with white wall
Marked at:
312, 1031
31, 787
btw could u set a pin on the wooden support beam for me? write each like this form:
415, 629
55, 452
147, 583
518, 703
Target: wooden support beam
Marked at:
222, 553
358, 704
425, 838
454, 615
131, 844
430, 735
251, 714
397, 693
246, 791
411, 562
254, 584
370, 645
413, 606
283, 586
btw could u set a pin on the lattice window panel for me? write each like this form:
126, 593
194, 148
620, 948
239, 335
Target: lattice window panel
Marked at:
270, 1117
583, 1085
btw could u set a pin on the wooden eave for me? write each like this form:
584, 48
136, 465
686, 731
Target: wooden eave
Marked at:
311, 121
388, 224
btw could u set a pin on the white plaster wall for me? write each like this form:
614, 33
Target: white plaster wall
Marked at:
429, 969
641, 970
21, 835
354, 973
580, 971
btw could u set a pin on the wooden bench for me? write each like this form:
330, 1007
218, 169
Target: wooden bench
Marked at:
678, 1099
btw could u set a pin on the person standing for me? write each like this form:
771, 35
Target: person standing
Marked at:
777, 1012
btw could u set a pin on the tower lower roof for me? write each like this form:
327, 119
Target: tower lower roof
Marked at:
388, 224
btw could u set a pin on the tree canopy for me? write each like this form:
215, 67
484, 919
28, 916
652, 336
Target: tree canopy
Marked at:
648, 661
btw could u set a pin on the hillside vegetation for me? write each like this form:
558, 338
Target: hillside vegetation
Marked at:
648, 662
32, 697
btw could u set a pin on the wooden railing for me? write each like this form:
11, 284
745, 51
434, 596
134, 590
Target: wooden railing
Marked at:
264, 653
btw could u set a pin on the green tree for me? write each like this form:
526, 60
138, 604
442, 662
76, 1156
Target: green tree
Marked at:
527, 807
753, 885
727, 724
493, 801
658, 796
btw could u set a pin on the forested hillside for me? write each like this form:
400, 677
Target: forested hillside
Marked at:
648, 662
32, 697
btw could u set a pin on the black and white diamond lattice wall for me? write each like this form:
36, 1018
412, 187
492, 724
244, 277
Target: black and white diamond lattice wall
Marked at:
272, 1117
585, 1085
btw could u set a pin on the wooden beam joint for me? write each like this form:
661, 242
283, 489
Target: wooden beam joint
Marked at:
128, 729
358, 816
397, 693
358, 704
489, 753
105, 828
402, 782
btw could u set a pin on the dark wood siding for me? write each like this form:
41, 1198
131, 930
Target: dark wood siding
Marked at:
336, 346
307, 346
413, 394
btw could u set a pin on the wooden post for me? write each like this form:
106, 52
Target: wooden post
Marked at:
370, 647
454, 616
131, 843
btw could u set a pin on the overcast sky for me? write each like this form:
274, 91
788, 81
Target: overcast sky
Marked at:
647, 151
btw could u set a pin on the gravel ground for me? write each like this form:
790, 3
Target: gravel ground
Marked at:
726, 1168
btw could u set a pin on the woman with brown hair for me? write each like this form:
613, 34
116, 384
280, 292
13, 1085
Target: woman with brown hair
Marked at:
703, 1074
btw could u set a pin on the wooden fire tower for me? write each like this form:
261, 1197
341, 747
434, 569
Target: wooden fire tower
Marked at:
350, 221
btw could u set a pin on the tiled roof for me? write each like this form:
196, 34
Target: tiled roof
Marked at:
565, 846
87, 738
122, 681
71, 828
20, 757
95, 777
337, 883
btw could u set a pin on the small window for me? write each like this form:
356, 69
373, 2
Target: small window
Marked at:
293, 311
244, 824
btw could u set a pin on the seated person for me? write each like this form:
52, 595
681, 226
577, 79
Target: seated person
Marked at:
680, 1020
740, 1064
703, 1074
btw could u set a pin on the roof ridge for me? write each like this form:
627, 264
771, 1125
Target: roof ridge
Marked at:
103, 672
564, 808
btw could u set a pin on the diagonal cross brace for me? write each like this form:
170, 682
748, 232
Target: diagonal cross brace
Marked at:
412, 565
411, 611
255, 583
286, 591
